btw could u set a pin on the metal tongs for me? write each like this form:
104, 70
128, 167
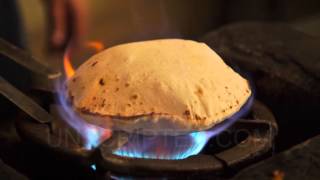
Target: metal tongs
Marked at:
43, 79
24, 59
44, 75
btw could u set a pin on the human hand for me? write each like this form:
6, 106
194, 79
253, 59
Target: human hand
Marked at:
69, 19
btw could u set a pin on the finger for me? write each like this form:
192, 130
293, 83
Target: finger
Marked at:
80, 17
59, 20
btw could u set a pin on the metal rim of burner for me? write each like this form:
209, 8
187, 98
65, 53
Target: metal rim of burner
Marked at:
261, 119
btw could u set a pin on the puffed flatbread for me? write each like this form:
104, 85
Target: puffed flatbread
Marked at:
158, 86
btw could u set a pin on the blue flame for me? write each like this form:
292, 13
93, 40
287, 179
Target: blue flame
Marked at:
93, 167
175, 147
92, 135
93, 138
163, 147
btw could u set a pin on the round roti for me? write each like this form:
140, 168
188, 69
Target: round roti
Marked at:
159, 86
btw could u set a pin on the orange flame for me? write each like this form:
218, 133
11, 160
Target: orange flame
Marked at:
68, 68
96, 45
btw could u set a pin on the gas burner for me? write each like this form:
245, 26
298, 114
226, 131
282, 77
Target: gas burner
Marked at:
246, 140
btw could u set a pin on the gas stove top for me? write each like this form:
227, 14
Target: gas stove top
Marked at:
41, 145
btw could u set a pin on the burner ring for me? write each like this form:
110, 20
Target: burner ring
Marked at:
263, 120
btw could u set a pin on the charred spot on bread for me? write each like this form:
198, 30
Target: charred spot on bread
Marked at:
134, 97
94, 63
101, 82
